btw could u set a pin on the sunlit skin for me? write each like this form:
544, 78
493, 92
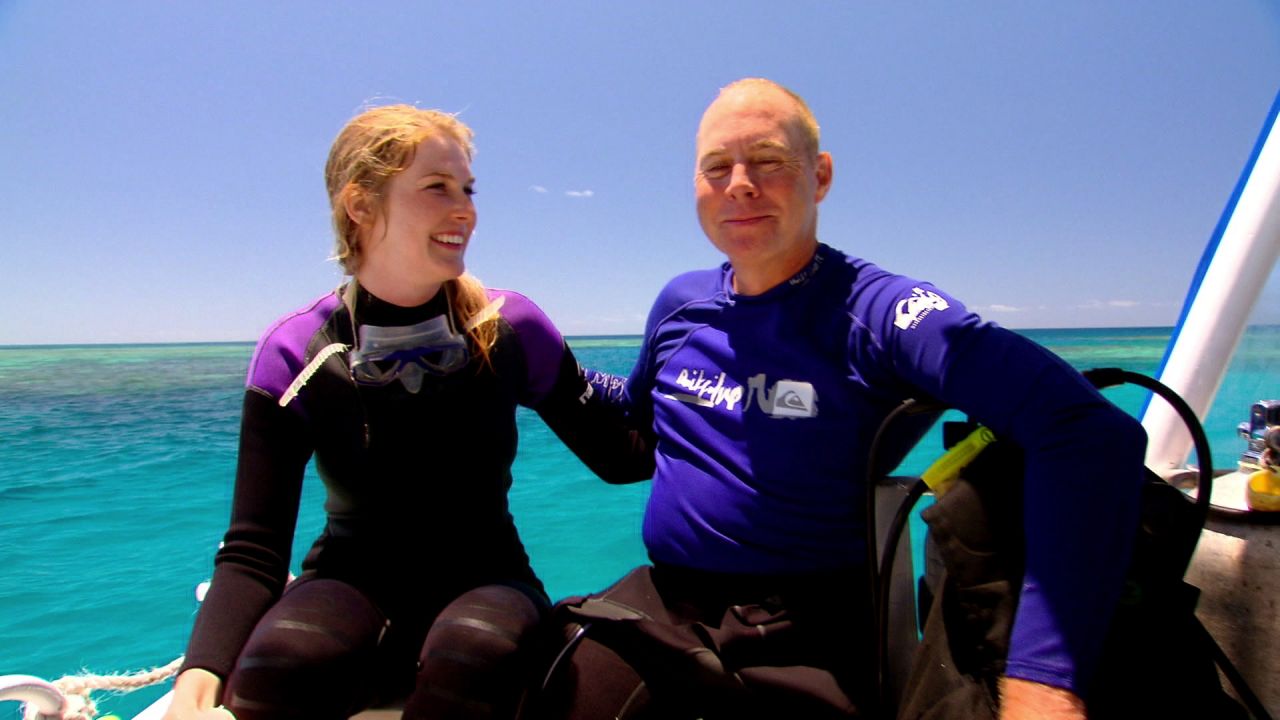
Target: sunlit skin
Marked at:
757, 188
1026, 700
417, 236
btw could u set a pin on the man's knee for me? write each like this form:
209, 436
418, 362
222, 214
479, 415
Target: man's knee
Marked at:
588, 681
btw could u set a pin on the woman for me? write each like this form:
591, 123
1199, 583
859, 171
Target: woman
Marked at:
403, 384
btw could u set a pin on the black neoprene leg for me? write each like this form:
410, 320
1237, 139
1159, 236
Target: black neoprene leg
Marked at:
594, 683
310, 656
477, 657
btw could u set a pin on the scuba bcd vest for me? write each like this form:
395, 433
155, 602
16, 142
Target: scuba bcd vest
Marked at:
1157, 661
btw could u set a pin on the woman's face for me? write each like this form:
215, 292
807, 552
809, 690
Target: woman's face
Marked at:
419, 238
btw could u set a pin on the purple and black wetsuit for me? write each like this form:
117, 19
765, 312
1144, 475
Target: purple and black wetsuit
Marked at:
765, 407
417, 515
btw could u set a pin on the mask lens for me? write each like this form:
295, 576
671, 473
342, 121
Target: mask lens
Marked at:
444, 360
375, 372
385, 354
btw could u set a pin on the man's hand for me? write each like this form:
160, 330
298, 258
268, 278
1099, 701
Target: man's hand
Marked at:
1026, 700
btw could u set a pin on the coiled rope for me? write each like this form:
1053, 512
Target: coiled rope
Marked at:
76, 690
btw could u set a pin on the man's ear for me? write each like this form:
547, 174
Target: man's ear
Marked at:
823, 169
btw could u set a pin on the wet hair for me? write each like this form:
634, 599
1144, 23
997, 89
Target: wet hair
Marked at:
805, 122
374, 147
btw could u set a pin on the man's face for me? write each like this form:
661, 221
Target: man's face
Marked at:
757, 186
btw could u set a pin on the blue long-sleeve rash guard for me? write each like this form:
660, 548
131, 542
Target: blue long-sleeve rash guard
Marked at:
765, 407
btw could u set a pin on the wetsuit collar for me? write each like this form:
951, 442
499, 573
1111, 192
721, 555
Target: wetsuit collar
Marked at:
801, 278
384, 354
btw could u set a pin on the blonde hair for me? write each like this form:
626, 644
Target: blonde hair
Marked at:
372, 148
805, 122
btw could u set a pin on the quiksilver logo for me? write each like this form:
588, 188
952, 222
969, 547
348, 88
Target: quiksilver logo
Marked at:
910, 311
787, 398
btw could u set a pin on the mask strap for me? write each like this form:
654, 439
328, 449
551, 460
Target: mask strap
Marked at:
349, 300
487, 313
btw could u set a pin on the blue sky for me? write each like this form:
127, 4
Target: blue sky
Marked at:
1051, 164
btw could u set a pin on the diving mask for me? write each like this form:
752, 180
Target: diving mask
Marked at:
386, 354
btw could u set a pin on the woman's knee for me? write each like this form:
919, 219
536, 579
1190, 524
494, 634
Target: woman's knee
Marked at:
479, 655
309, 655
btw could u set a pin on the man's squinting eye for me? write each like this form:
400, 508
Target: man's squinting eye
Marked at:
769, 164
716, 170
720, 169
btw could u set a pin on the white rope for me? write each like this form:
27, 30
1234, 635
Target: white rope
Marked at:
76, 689
296, 386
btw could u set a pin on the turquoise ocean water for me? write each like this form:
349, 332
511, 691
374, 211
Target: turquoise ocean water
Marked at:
116, 465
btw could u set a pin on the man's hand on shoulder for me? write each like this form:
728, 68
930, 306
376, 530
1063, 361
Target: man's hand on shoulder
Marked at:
1026, 700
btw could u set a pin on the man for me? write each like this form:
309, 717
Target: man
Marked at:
764, 381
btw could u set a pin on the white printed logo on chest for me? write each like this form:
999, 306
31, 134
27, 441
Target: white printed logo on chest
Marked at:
786, 399
707, 391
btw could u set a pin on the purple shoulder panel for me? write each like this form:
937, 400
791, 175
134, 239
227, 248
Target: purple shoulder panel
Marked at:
542, 342
281, 352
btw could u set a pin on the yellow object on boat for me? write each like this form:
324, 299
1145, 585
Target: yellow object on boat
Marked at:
1263, 491
946, 469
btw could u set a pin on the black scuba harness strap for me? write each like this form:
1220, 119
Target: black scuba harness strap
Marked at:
1174, 557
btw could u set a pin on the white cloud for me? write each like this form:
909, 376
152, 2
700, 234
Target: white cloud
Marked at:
1107, 304
579, 193
1004, 308
538, 188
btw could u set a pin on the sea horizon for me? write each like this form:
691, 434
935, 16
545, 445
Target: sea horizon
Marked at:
578, 337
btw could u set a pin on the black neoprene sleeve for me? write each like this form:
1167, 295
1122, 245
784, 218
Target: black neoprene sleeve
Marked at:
252, 565
599, 434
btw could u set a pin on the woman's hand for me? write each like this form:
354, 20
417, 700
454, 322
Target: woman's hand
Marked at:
195, 697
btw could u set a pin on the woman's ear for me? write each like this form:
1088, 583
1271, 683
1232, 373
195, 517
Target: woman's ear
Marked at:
357, 204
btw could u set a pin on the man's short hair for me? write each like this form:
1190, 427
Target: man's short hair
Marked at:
805, 121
